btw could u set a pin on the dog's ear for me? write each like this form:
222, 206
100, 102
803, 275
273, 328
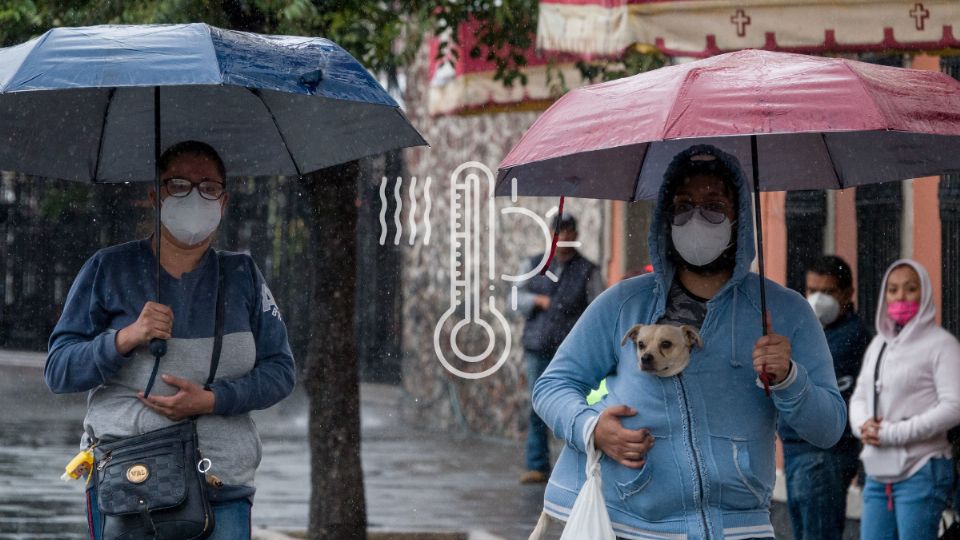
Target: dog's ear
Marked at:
631, 334
693, 337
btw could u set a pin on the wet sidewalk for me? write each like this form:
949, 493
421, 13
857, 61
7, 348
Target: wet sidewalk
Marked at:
415, 480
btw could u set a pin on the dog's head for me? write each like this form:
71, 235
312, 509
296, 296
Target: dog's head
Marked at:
663, 349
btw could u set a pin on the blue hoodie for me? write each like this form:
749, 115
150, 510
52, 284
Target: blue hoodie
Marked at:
711, 472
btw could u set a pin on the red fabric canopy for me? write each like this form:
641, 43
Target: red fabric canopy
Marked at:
823, 123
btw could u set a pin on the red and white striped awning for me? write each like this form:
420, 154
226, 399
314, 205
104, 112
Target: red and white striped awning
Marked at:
701, 28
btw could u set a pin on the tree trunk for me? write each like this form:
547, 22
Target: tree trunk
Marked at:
337, 506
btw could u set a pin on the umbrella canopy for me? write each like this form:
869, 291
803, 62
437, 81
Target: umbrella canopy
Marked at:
79, 103
819, 123
97, 104
793, 121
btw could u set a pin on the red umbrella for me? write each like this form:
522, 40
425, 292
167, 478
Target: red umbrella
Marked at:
793, 121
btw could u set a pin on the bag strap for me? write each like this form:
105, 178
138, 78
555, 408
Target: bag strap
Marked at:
876, 376
217, 339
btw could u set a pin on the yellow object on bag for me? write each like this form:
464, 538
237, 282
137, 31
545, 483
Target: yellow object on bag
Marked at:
79, 466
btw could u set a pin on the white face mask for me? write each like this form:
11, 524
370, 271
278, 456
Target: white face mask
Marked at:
191, 219
825, 306
700, 242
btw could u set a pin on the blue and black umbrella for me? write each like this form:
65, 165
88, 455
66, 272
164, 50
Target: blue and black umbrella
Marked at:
98, 104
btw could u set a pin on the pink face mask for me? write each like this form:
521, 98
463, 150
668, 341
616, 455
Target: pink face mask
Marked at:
902, 312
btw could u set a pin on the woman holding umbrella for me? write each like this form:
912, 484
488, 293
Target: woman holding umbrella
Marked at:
690, 456
907, 398
101, 343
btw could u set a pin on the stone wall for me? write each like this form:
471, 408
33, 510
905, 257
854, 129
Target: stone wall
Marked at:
497, 404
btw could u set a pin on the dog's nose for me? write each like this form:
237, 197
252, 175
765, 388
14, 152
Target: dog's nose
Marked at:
646, 360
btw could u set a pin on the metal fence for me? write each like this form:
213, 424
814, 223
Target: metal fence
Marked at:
48, 228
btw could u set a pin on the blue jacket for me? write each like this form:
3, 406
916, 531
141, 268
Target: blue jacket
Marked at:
848, 340
711, 472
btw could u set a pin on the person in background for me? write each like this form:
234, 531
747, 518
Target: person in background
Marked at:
551, 309
906, 399
818, 478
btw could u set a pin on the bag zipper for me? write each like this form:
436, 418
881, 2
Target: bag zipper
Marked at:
139, 454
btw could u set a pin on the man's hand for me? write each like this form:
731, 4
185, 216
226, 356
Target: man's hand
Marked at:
542, 301
870, 431
155, 321
771, 354
627, 447
190, 400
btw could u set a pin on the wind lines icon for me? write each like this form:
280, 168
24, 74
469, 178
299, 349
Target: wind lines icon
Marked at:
411, 216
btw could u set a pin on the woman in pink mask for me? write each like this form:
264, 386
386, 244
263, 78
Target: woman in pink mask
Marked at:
907, 398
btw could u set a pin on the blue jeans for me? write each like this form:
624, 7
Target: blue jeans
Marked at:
817, 483
232, 518
918, 503
538, 436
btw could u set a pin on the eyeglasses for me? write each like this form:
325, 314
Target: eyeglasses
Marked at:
713, 211
210, 190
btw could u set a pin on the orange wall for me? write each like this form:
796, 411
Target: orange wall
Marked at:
845, 230
926, 211
774, 235
926, 232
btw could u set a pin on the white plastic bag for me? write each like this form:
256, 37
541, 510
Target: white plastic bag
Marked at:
589, 518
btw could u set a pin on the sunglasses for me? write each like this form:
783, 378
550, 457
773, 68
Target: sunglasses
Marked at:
714, 212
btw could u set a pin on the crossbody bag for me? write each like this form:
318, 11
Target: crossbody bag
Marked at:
153, 485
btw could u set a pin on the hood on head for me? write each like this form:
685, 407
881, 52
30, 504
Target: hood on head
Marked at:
926, 316
660, 240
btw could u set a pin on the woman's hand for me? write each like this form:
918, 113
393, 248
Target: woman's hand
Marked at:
155, 321
190, 400
627, 447
870, 432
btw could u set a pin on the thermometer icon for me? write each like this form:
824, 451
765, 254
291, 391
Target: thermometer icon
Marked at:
466, 302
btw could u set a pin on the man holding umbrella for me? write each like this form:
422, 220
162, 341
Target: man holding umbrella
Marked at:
692, 454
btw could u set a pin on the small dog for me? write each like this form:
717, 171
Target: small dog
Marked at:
663, 349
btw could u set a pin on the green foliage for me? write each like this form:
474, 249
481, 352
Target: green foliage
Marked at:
18, 18
635, 59
381, 34
56, 203
506, 32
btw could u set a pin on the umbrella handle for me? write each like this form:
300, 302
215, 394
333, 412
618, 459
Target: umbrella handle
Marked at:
556, 236
754, 158
158, 347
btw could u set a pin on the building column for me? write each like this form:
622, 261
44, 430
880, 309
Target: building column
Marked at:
806, 215
949, 202
879, 209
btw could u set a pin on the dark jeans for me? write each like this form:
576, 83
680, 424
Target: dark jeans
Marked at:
817, 483
538, 436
